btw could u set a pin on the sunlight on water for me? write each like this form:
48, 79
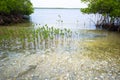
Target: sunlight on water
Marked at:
68, 47
59, 54
64, 18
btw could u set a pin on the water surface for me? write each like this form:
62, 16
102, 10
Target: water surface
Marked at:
85, 53
69, 18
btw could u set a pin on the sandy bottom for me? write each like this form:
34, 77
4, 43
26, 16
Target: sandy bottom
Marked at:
90, 59
57, 66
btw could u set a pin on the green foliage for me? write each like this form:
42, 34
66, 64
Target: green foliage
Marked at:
23, 35
43, 32
110, 11
111, 7
16, 7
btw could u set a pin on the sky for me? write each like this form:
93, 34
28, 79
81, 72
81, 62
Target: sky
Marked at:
58, 3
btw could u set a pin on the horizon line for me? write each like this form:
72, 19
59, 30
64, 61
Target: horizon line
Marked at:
55, 8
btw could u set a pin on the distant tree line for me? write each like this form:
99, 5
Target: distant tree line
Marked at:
110, 11
14, 10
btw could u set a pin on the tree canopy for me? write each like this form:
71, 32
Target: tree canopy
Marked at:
111, 7
110, 10
23, 7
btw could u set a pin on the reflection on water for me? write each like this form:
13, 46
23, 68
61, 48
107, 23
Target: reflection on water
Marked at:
59, 54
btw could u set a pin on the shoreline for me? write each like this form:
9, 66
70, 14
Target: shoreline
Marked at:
7, 19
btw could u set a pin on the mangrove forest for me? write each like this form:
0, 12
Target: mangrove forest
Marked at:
14, 11
57, 41
109, 11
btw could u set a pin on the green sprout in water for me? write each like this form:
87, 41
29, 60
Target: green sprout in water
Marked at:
36, 36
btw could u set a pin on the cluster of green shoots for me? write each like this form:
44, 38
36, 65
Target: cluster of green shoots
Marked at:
11, 35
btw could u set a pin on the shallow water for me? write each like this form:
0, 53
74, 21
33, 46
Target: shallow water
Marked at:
91, 54
84, 55
64, 18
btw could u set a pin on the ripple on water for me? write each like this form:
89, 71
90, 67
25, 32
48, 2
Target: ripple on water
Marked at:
88, 58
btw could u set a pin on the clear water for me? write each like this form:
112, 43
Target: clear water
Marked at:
64, 18
87, 54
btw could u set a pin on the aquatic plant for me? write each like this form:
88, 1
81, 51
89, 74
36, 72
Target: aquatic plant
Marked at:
32, 37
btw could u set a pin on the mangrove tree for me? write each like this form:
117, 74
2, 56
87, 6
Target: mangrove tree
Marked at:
13, 11
109, 10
